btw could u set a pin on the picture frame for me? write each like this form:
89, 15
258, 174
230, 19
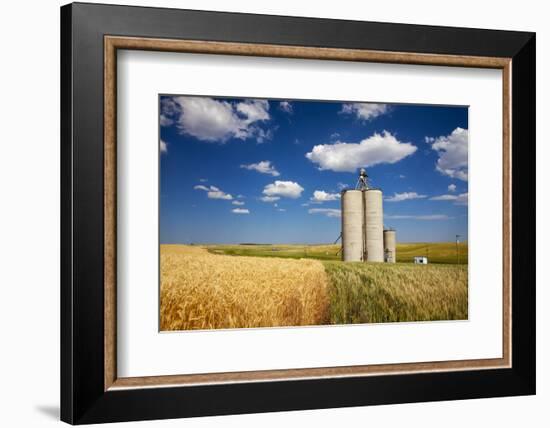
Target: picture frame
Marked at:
91, 35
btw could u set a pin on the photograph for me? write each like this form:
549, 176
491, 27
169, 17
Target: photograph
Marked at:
287, 213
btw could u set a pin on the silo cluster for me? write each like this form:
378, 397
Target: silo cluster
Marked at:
363, 235
389, 246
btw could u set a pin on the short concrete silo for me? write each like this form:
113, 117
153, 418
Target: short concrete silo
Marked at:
352, 225
390, 254
374, 225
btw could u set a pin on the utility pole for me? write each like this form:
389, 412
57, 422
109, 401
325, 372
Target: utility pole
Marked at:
457, 236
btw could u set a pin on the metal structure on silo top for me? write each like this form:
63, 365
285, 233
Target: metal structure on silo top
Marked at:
390, 253
352, 225
374, 225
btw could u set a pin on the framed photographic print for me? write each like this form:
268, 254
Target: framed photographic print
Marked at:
255, 250
265, 213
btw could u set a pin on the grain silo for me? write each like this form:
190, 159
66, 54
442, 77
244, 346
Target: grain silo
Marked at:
363, 236
390, 254
352, 226
374, 225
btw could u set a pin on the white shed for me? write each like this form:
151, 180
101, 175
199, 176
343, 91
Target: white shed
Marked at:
420, 260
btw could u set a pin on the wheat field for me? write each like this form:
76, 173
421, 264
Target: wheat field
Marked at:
204, 290
377, 293
200, 290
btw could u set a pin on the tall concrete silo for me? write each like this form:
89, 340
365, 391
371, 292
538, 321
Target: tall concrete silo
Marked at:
374, 225
352, 225
390, 253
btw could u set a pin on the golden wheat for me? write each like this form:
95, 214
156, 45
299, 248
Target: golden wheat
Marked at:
200, 290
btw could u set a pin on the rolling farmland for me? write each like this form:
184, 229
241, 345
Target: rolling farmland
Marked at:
437, 252
241, 286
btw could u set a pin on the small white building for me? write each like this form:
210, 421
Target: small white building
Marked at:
420, 260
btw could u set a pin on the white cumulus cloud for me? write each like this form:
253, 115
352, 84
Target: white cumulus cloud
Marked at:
451, 187
213, 192
165, 120
329, 212
342, 186
418, 217
269, 198
444, 198
365, 111
169, 109
240, 211
286, 107
263, 167
285, 189
398, 197
218, 194
453, 153
240, 203
163, 147
321, 196
348, 157
461, 199
211, 120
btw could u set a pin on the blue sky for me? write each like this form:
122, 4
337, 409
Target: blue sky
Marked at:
236, 170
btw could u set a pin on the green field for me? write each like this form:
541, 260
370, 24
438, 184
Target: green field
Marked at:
381, 292
437, 252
